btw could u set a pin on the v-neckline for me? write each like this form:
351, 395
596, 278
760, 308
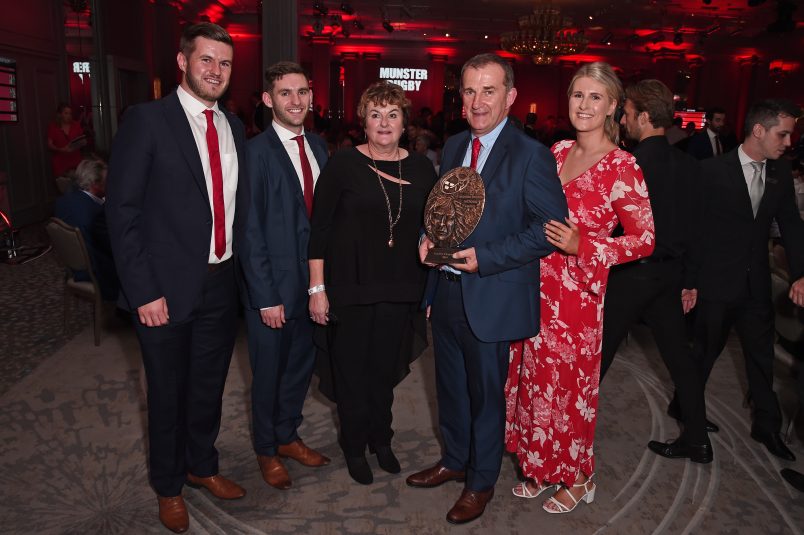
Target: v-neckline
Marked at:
568, 182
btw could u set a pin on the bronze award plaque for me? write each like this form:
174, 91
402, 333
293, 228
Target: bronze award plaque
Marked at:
452, 212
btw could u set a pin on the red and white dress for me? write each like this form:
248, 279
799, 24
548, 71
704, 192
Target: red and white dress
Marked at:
552, 387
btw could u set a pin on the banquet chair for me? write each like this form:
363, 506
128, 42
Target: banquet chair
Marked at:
71, 249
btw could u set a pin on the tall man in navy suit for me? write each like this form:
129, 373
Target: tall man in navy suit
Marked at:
744, 191
176, 204
282, 166
480, 306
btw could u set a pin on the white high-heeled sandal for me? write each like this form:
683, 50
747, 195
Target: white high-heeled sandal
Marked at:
523, 491
588, 497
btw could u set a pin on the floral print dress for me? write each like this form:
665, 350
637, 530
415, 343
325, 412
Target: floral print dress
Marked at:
552, 387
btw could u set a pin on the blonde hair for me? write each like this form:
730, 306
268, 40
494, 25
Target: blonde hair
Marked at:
603, 73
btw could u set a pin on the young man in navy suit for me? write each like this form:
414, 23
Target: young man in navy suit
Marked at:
176, 203
480, 306
282, 167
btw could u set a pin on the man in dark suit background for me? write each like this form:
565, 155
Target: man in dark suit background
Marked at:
177, 200
83, 208
282, 166
650, 289
744, 191
709, 141
480, 306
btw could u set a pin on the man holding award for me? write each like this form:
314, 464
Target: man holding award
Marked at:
500, 188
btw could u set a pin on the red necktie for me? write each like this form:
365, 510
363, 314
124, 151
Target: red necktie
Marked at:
218, 208
307, 173
475, 152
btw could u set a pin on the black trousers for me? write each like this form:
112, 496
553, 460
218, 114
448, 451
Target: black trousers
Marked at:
365, 352
652, 293
281, 365
753, 319
186, 366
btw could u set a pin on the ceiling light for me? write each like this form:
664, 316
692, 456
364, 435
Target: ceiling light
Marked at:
388, 27
544, 35
320, 7
606, 39
485, 37
446, 34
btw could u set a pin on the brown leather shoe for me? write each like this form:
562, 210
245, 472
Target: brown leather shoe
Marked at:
297, 451
173, 513
274, 472
219, 486
435, 476
469, 506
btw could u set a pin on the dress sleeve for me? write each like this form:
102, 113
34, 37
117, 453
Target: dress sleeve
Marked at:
630, 202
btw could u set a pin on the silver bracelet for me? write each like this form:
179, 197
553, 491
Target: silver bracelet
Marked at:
315, 289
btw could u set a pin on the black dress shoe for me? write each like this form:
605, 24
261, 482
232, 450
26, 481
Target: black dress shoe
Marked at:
360, 470
674, 412
775, 445
796, 479
699, 453
386, 459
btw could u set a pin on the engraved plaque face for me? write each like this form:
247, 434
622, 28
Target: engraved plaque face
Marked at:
454, 207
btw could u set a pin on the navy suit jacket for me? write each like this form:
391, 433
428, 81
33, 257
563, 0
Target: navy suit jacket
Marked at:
733, 250
79, 210
158, 210
523, 191
273, 256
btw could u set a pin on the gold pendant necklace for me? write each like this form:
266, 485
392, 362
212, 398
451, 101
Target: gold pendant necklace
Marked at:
392, 221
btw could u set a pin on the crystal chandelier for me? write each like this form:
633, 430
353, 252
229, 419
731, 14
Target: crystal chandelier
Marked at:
543, 35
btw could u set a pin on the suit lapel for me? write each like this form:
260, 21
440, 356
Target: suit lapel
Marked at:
457, 158
319, 152
498, 152
281, 156
183, 134
770, 185
740, 187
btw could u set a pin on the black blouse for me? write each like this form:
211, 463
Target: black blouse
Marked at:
350, 229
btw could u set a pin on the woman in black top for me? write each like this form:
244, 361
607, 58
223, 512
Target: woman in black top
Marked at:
365, 277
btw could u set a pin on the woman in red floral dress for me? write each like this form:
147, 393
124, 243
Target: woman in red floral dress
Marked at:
552, 386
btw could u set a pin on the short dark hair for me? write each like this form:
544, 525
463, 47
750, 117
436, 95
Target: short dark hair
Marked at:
709, 114
62, 106
655, 98
206, 30
384, 93
280, 69
481, 60
767, 113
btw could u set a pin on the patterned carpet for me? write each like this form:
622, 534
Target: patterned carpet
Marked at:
32, 323
72, 459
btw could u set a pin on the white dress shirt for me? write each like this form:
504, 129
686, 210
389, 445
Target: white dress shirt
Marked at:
292, 148
194, 110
